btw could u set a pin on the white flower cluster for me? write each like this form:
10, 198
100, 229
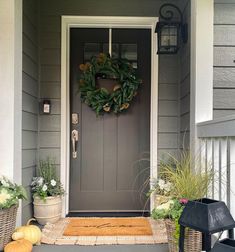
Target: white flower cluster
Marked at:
38, 182
164, 186
165, 206
4, 196
5, 182
10, 192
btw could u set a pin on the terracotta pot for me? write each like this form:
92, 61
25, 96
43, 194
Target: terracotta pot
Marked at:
48, 210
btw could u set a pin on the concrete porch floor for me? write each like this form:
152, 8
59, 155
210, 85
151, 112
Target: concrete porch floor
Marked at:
105, 248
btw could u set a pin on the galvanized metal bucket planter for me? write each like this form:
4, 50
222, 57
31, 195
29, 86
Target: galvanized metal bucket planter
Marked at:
48, 210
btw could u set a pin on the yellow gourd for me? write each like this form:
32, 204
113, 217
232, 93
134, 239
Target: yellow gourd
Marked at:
29, 232
21, 245
17, 236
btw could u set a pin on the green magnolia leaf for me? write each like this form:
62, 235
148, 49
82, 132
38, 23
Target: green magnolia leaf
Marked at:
121, 71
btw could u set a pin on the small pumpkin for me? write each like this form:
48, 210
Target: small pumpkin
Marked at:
29, 232
21, 245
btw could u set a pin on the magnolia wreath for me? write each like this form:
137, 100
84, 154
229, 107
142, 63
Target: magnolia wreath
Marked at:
100, 99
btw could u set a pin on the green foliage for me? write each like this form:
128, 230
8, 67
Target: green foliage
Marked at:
99, 99
10, 193
159, 214
187, 180
173, 212
47, 182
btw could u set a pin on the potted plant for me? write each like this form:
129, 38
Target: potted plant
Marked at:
161, 190
186, 184
10, 193
47, 193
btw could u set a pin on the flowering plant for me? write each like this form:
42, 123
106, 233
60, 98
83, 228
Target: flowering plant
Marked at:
162, 187
10, 193
46, 183
171, 210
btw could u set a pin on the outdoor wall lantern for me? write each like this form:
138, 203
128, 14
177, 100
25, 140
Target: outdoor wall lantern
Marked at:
171, 32
208, 217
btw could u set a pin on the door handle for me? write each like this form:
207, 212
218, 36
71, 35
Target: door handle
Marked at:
74, 138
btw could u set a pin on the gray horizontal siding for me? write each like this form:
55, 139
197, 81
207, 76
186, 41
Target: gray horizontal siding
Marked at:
224, 35
168, 122
218, 113
184, 89
104, 8
224, 56
224, 99
29, 158
224, 13
224, 77
29, 101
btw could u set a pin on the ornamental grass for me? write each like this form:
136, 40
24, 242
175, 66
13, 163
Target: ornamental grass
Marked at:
187, 179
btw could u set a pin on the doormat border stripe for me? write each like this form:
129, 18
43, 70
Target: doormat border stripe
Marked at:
53, 234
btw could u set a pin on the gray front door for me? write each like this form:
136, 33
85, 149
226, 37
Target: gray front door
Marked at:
109, 174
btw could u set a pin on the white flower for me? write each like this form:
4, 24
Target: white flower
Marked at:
161, 184
5, 183
168, 187
53, 182
165, 206
4, 196
44, 188
40, 181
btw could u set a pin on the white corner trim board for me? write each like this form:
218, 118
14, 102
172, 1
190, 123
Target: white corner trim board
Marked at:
103, 22
11, 91
201, 90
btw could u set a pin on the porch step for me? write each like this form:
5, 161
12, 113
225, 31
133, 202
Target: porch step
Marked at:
105, 248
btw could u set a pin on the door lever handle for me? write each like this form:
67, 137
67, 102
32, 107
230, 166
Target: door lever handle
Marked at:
74, 138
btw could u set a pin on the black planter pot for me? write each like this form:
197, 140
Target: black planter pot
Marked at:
226, 245
207, 216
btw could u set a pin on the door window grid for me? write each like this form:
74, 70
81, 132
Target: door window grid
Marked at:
127, 51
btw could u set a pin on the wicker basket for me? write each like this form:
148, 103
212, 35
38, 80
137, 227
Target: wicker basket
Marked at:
7, 225
192, 242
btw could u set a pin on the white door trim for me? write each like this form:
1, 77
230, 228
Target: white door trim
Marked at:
103, 22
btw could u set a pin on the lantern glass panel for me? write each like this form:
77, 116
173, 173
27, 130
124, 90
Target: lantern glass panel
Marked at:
169, 36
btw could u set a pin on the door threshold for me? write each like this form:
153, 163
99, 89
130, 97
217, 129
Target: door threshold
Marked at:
109, 214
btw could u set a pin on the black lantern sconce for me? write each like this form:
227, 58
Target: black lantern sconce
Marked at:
170, 31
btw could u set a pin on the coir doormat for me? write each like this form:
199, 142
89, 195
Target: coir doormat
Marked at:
107, 227
100, 231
